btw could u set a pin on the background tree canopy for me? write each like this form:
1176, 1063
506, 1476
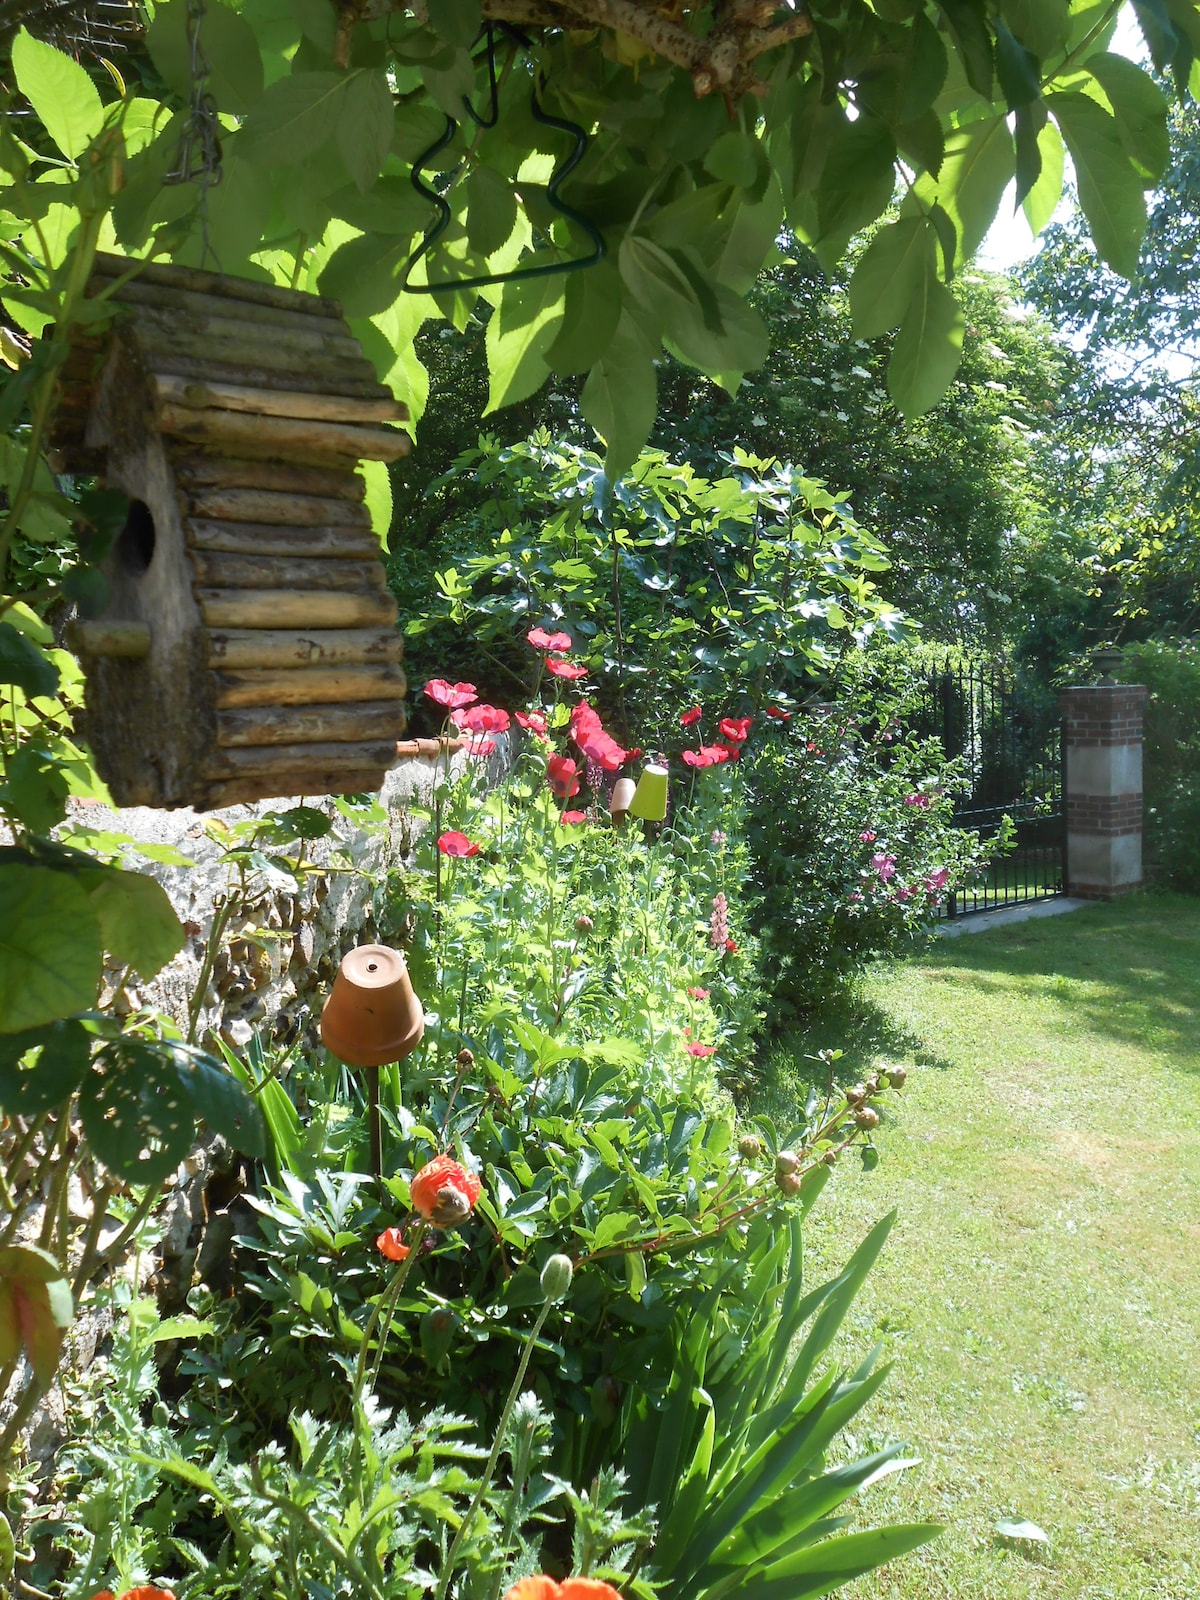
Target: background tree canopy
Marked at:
608, 176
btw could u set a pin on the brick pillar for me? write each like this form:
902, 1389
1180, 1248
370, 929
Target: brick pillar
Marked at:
1104, 788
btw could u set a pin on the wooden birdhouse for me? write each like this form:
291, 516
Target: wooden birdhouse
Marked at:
249, 646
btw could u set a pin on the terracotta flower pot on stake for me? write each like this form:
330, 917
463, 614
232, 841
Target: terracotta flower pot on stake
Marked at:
372, 1017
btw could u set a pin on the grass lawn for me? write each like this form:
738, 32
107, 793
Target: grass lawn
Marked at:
1040, 1294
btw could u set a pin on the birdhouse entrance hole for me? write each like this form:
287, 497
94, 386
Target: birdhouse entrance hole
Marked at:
135, 543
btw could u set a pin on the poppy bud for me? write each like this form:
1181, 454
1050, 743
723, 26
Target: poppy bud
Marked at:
438, 1328
749, 1147
867, 1117
556, 1278
856, 1095
788, 1183
787, 1162
465, 1059
872, 1084
896, 1076
584, 924
830, 1158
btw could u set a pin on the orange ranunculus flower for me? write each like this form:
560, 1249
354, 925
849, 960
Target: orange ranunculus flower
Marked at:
390, 1244
146, 1591
543, 1588
444, 1192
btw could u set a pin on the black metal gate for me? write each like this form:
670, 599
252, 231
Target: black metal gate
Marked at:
1009, 737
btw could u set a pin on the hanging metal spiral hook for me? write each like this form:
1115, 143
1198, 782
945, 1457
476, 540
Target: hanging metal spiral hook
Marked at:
198, 153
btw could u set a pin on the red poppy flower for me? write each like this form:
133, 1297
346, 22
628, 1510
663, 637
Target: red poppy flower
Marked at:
701, 1050
565, 669
570, 817
563, 777
604, 750
444, 1192
451, 695
535, 721
456, 844
778, 714
543, 1588
698, 994
733, 752
541, 640
390, 1243
688, 719
736, 728
145, 1591
708, 755
481, 719
730, 946
480, 746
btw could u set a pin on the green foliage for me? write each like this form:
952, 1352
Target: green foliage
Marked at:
1171, 757
35, 1309
674, 586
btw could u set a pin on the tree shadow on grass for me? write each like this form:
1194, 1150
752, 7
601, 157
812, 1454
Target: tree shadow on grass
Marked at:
865, 1033
1128, 970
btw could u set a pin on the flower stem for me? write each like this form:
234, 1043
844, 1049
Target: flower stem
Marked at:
497, 1445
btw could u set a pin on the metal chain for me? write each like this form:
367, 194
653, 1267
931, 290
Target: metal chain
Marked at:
198, 154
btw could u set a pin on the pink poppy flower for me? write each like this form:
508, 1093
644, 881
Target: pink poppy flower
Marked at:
535, 721
541, 640
481, 746
698, 994
571, 817
701, 1050
884, 865
565, 669
708, 755
451, 695
456, 844
481, 719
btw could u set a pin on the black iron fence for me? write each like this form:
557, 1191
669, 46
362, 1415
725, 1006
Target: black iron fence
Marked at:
1009, 737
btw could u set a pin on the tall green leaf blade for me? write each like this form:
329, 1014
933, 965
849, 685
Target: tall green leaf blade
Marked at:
50, 952
679, 1526
1041, 202
835, 1562
1110, 190
928, 348
59, 90
978, 164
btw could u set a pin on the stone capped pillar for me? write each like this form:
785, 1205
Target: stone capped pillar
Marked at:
1104, 788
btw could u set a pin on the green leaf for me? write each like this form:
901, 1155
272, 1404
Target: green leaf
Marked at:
35, 789
591, 311
491, 211
50, 952
1030, 120
1041, 202
1110, 190
456, 21
969, 30
1140, 109
979, 162
378, 501
220, 1099
834, 1562
783, 1517
137, 922
928, 348
888, 273
735, 158
235, 67
293, 119
60, 91
364, 273
35, 1309
1016, 68
620, 396
8, 1550
858, 179
22, 663
55, 1074
136, 1113
1039, 24
366, 118
522, 328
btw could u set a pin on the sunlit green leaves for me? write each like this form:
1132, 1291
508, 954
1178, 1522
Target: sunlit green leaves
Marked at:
137, 923
235, 66
294, 118
23, 664
621, 394
40, 1068
136, 1113
1110, 190
519, 334
887, 276
1140, 109
60, 91
364, 125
